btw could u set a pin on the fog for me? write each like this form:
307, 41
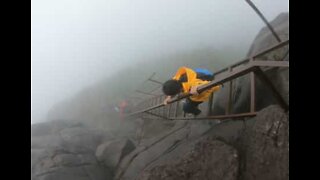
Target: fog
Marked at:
76, 43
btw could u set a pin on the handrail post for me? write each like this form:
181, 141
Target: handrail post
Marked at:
176, 109
236, 72
151, 102
169, 111
210, 104
252, 90
229, 104
158, 109
164, 108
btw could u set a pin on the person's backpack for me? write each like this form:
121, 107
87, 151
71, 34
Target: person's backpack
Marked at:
204, 74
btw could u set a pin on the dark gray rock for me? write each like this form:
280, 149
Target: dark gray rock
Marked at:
209, 159
72, 173
47, 141
265, 38
267, 146
197, 129
97, 172
150, 151
256, 148
261, 144
278, 76
52, 127
83, 172
65, 165
85, 137
65, 151
153, 127
110, 153
167, 145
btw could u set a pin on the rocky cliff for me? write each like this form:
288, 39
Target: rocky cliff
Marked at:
149, 149
255, 148
279, 76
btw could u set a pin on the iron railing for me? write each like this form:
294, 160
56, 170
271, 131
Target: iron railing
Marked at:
251, 65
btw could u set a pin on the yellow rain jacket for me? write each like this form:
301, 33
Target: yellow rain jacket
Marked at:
193, 81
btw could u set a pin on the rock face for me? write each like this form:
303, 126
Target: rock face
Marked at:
149, 151
110, 153
267, 146
262, 143
265, 38
65, 151
278, 76
256, 148
209, 159
234, 149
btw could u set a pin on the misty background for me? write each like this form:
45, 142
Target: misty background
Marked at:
81, 43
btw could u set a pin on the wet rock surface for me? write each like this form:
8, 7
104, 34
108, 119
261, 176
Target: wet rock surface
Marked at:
255, 148
242, 149
150, 151
65, 151
278, 76
209, 159
233, 149
267, 147
110, 153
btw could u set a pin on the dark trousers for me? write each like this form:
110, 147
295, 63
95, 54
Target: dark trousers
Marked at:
191, 107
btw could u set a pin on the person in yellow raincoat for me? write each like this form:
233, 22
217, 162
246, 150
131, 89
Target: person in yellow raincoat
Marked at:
187, 80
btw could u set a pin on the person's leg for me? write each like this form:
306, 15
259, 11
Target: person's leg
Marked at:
191, 107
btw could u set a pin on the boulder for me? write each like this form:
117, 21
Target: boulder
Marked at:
262, 143
85, 137
169, 145
149, 151
110, 153
278, 76
208, 159
65, 151
52, 127
65, 165
267, 148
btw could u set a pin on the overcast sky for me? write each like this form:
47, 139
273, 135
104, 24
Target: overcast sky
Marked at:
76, 43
